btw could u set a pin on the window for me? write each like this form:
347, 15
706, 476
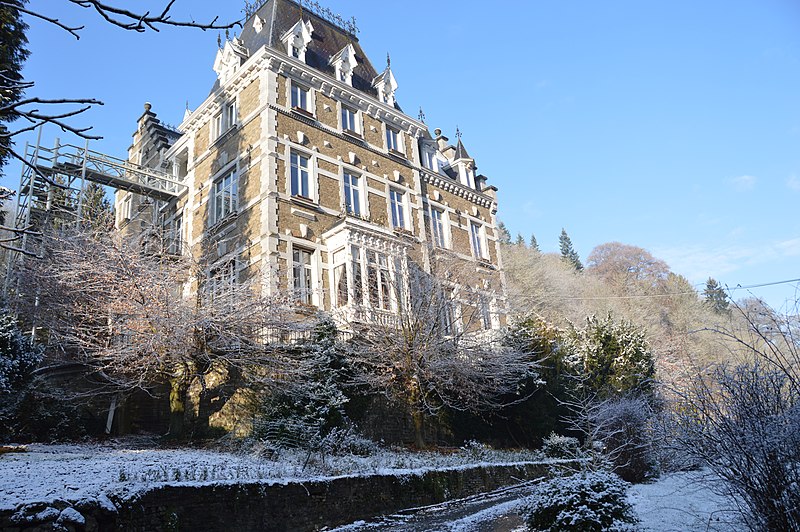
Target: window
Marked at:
437, 227
300, 176
125, 209
299, 97
173, 235
393, 140
485, 311
355, 264
352, 194
447, 317
476, 236
397, 202
378, 280
429, 160
295, 51
225, 196
302, 275
222, 281
340, 277
224, 120
349, 120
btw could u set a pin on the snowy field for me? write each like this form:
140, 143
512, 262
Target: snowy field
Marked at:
45, 473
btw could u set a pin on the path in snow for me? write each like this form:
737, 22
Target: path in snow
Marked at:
679, 502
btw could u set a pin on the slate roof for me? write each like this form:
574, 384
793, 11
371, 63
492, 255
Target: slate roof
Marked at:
278, 16
461, 152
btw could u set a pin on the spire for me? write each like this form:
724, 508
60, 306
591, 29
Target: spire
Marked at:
461, 151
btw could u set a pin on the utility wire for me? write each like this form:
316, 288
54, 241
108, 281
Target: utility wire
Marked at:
646, 296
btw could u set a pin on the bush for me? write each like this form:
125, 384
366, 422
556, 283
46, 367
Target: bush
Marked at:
557, 446
623, 427
585, 502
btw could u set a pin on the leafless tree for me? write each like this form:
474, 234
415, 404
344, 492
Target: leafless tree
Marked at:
137, 317
743, 420
434, 349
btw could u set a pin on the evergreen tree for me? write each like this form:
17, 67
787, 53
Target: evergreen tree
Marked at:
505, 236
611, 358
715, 296
12, 56
534, 244
18, 358
568, 252
520, 240
96, 208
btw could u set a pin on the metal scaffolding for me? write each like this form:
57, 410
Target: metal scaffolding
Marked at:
40, 202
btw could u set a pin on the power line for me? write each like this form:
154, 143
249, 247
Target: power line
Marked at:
654, 296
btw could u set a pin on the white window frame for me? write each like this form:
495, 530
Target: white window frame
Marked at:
353, 116
353, 193
438, 229
225, 195
372, 279
126, 208
222, 279
173, 235
477, 238
300, 98
397, 208
394, 140
297, 172
225, 119
303, 278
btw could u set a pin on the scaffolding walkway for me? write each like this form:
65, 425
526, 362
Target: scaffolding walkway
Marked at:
70, 167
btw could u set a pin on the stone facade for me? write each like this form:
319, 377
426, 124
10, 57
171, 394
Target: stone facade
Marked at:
300, 162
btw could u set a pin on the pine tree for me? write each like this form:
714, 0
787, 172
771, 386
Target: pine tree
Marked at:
568, 252
715, 296
96, 208
18, 358
505, 236
520, 240
534, 245
13, 53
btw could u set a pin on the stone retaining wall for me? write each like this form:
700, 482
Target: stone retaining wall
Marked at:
261, 506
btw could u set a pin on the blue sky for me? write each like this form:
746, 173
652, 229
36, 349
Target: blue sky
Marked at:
670, 125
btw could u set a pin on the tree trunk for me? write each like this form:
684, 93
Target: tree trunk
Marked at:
419, 426
177, 408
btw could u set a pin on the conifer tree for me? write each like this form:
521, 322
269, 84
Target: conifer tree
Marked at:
505, 236
534, 245
13, 53
715, 296
568, 252
520, 240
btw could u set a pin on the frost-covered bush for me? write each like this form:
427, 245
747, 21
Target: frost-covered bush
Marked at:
346, 440
585, 502
623, 426
557, 446
18, 357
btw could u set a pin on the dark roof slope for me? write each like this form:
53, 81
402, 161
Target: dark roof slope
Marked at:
278, 16
461, 151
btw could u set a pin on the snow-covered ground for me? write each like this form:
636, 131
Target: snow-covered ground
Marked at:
73, 472
46, 473
681, 502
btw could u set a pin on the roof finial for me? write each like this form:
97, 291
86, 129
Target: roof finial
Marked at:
458, 133
421, 115
388, 61
187, 105
219, 40
227, 34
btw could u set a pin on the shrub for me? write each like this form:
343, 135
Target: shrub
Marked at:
557, 446
623, 427
585, 502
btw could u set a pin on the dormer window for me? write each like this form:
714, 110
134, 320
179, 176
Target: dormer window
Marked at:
386, 86
344, 62
229, 59
297, 38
